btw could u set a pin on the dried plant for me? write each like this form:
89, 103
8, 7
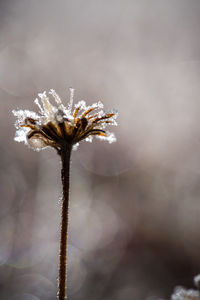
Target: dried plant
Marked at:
58, 127
180, 293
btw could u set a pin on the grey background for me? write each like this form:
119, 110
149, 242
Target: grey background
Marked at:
135, 204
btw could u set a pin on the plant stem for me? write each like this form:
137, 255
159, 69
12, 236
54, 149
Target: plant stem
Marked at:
65, 159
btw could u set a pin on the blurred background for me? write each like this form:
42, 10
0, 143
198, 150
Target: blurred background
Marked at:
135, 204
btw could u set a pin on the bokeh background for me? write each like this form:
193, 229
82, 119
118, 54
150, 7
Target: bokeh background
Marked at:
135, 204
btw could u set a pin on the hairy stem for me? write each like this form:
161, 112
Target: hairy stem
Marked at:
65, 159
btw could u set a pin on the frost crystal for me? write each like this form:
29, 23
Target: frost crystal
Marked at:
57, 124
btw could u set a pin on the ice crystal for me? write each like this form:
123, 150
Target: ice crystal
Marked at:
57, 124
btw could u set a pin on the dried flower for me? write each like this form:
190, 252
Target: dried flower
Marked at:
56, 124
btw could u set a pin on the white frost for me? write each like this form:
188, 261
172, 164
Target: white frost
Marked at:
110, 138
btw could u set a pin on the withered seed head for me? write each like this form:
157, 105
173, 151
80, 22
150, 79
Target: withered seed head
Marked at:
57, 126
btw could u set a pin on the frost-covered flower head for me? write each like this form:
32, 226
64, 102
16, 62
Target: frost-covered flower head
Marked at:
57, 125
